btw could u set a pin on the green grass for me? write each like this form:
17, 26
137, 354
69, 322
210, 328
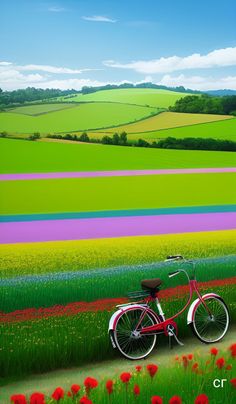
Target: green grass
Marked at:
19, 156
81, 117
107, 369
62, 289
59, 342
225, 129
152, 97
167, 120
39, 109
105, 193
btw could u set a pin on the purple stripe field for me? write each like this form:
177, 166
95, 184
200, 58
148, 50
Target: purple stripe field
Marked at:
76, 229
117, 173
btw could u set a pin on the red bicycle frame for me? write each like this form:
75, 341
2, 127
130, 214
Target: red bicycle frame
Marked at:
163, 325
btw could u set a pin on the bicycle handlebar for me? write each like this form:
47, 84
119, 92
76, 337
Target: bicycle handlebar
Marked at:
171, 274
174, 258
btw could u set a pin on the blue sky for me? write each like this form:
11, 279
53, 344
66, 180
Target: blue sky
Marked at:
71, 43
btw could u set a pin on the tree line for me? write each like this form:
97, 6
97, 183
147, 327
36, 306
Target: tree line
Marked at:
190, 143
206, 104
31, 94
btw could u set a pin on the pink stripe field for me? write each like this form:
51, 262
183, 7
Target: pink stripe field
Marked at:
117, 173
79, 229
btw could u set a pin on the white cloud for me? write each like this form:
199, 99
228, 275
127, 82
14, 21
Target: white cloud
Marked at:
20, 76
199, 82
217, 58
51, 69
56, 9
5, 63
98, 18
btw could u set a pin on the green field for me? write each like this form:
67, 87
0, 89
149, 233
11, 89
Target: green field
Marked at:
19, 156
106, 193
167, 120
39, 109
139, 96
224, 129
81, 117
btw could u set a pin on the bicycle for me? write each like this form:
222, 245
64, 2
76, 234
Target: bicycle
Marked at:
134, 327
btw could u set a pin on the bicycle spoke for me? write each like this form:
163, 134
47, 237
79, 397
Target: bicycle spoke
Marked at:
211, 323
131, 343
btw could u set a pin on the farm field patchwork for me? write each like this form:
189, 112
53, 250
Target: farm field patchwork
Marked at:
39, 109
223, 129
166, 120
80, 117
57, 297
151, 97
108, 193
18, 156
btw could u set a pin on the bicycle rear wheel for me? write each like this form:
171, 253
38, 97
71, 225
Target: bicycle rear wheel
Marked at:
211, 326
128, 340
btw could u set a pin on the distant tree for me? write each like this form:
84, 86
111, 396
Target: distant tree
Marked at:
68, 136
142, 143
107, 140
35, 136
84, 137
116, 139
123, 138
205, 104
3, 134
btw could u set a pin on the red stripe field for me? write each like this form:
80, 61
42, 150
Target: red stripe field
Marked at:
101, 304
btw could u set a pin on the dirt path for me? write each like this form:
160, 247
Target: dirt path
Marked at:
163, 356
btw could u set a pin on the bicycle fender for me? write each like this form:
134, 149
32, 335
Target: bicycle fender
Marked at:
195, 304
115, 315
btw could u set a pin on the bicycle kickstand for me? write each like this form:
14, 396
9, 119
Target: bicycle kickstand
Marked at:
171, 334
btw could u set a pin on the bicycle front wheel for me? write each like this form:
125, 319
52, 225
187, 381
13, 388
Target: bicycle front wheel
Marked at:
210, 325
128, 340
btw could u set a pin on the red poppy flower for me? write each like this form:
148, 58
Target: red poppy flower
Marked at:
175, 400
152, 369
228, 367
125, 377
233, 350
75, 388
214, 351
233, 382
201, 399
90, 382
136, 390
109, 386
58, 394
220, 363
18, 399
194, 367
176, 358
37, 398
156, 400
185, 361
69, 394
190, 356
85, 400
138, 368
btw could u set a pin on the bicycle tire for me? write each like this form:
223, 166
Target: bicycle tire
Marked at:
131, 347
210, 330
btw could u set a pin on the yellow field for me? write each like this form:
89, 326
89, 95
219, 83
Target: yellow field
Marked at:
33, 258
167, 120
